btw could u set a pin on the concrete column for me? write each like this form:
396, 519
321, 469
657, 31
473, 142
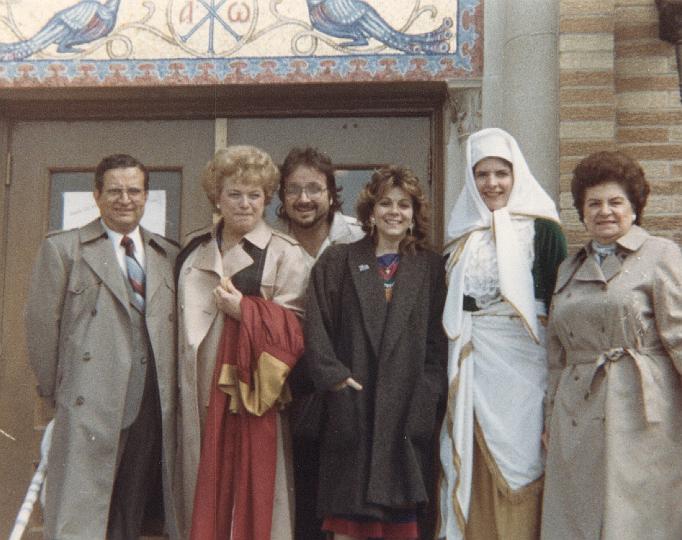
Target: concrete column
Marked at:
494, 32
465, 118
519, 91
521, 80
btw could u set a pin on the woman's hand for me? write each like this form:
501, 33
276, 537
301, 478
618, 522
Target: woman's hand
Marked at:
350, 381
228, 299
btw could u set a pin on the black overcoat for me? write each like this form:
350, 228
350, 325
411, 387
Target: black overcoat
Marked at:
376, 444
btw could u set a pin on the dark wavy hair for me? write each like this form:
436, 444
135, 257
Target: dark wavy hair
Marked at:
118, 161
401, 177
610, 166
314, 159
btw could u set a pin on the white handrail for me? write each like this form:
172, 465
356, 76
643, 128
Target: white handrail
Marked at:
26, 509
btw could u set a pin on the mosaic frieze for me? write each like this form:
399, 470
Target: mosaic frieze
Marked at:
90, 42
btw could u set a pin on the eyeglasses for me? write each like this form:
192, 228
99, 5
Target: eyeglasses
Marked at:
117, 193
294, 191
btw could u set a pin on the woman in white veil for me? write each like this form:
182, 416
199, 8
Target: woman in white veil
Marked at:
505, 245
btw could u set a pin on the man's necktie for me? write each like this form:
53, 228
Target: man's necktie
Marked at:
135, 271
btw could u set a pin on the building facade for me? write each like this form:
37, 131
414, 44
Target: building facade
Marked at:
404, 82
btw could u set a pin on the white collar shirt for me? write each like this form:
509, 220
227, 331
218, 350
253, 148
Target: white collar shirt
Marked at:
120, 251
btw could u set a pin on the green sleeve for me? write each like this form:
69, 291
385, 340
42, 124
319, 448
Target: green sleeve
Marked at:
550, 250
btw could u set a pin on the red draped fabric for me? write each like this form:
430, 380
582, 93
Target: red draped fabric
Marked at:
236, 480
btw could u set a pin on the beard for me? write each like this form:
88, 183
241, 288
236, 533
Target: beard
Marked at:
305, 224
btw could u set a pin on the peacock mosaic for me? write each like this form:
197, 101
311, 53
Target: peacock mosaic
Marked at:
174, 42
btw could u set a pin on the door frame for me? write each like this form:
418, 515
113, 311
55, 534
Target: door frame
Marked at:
418, 98
361, 99
414, 98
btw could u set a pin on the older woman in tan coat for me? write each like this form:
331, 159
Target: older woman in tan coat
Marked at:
239, 284
614, 466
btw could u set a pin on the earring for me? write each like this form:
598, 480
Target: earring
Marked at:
634, 217
217, 205
409, 229
372, 224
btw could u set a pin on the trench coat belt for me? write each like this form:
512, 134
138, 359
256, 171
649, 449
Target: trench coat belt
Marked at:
652, 410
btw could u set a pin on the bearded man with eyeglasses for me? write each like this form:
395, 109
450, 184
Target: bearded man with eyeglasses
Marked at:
310, 211
100, 322
311, 203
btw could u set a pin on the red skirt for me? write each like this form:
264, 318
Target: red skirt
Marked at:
395, 530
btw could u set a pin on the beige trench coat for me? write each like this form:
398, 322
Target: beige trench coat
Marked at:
614, 466
78, 333
285, 276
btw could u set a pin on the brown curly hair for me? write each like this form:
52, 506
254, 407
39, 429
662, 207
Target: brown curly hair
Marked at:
610, 166
246, 164
401, 177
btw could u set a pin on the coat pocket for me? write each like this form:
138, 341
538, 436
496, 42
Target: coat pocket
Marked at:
421, 418
341, 428
306, 415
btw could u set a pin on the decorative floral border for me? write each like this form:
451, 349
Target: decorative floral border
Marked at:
465, 63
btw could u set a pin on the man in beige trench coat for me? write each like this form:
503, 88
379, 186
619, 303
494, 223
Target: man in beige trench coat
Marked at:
100, 323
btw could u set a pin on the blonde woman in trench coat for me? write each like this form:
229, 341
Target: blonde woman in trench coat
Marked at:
614, 422
239, 182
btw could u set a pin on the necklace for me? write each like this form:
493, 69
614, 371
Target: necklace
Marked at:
387, 266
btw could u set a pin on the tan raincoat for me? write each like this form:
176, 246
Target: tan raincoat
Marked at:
285, 274
614, 467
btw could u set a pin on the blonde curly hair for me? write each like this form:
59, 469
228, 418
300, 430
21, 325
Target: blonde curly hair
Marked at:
243, 164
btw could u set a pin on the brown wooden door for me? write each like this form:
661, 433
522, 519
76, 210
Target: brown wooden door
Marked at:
355, 143
43, 154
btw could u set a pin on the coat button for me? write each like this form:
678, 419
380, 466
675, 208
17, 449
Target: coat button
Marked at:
171, 318
86, 357
93, 312
80, 400
574, 423
576, 378
143, 360
587, 396
188, 270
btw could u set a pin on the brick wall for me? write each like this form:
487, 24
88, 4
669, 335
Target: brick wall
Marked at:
619, 90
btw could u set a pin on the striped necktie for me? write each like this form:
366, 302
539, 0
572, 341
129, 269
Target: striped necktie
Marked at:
135, 271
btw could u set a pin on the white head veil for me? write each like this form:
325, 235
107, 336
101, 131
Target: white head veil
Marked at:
470, 214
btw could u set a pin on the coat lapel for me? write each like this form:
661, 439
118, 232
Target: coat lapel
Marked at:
590, 270
202, 275
363, 270
409, 281
611, 266
98, 253
155, 261
567, 270
208, 258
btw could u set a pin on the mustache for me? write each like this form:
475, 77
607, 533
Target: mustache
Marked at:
305, 206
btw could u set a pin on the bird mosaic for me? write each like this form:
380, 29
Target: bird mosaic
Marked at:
84, 22
357, 21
